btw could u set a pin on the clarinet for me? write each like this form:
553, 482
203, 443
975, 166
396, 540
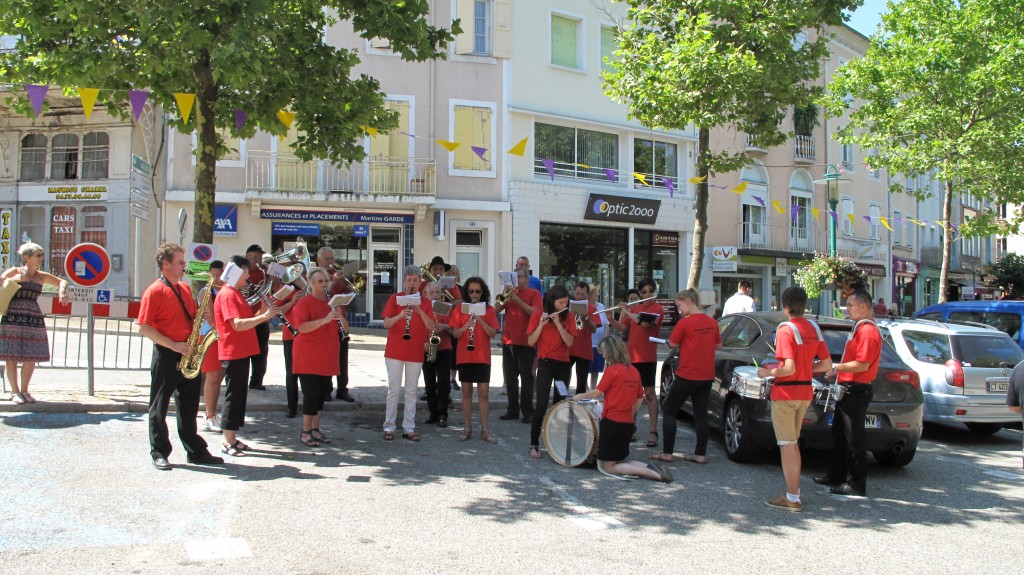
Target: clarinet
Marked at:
472, 333
408, 324
341, 326
280, 316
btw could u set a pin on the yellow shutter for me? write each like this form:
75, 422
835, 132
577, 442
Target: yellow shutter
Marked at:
465, 12
501, 44
472, 128
233, 145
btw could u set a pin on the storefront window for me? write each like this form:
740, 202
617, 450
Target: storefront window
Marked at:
31, 228
94, 225
656, 256
569, 254
349, 250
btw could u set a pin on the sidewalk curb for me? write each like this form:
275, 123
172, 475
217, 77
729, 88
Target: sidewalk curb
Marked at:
139, 407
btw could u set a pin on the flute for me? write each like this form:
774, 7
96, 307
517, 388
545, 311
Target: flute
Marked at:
551, 315
613, 308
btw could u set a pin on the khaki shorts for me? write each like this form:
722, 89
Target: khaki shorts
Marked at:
787, 419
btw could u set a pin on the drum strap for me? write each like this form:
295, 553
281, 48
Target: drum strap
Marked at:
788, 383
796, 332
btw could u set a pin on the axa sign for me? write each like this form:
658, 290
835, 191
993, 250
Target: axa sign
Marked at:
606, 208
225, 220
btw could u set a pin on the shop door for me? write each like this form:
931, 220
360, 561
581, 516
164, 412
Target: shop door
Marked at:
386, 278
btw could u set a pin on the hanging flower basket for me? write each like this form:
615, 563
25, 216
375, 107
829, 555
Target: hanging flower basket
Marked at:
825, 273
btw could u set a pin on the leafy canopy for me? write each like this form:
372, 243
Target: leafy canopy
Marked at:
1008, 275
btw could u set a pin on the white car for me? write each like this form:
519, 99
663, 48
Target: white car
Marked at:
964, 369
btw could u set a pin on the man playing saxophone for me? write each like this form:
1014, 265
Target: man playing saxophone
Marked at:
166, 316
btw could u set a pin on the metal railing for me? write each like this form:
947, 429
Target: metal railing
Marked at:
753, 146
264, 171
782, 238
116, 343
803, 148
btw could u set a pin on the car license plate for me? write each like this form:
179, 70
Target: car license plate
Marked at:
869, 420
999, 386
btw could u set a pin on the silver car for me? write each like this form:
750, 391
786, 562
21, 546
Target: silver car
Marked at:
964, 369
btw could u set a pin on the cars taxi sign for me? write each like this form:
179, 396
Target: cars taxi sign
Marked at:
87, 264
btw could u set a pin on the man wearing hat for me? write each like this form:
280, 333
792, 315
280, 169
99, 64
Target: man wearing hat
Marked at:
438, 268
258, 362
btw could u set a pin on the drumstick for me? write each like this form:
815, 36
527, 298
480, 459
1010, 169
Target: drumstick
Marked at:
613, 308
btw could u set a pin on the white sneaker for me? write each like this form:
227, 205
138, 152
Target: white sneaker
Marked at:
213, 424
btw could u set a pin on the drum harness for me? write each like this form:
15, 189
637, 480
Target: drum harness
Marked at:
799, 341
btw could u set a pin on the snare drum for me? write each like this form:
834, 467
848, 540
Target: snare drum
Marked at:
828, 394
746, 383
571, 431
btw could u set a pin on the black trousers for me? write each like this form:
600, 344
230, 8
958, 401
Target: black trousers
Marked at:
291, 381
437, 382
678, 392
166, 381
315, 389
259, 361
517, 369
548, 370
236, 371
850, 457
343, 362
582, 367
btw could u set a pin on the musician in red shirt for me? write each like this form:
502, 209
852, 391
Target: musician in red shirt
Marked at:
697, 337
552, 330
238, 343
582, 350
338, 283
254, 254
166, 314
315, 355
437, 373
518, 356
474, 358
643, 353
213, 373
408, 329
848, 472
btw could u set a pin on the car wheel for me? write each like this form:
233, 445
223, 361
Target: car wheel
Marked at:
735, 429
666, 379
896, 457
984, 428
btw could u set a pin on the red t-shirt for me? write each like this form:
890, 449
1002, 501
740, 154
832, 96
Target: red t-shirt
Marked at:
866, 346
550, 344
446, 338
515, 331
697, 335
160, 309
454, 290
407, 349
641, 349
286, 334
581, 346
482, 343
315, 352
804, 356
621, 386
233, 344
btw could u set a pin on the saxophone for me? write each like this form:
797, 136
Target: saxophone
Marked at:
433, 342
190, 365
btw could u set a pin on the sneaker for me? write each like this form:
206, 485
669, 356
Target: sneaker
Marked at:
783, 503
213, 424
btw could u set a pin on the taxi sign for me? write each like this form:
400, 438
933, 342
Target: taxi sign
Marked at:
87, 265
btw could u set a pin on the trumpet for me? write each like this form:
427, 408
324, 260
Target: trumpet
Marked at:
425, 272
408, 324
470, 346
502, 298
341, 325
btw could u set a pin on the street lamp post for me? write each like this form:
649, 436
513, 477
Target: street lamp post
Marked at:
831, 180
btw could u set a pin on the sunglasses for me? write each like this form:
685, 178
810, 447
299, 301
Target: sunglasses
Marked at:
646, 291
474, 291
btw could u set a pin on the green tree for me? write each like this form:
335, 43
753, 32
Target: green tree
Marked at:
731, 64
259, 56
1008, 275
939, 92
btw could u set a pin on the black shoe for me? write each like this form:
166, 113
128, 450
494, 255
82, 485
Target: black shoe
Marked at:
423, 397
432, 420
509, 417
455, 386
443, 422
161, 463
346, 396
290, 414
826, 481
258, 387
527, 419
329, 397
848, 489
205, 459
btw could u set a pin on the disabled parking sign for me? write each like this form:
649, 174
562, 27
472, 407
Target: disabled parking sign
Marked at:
87, 264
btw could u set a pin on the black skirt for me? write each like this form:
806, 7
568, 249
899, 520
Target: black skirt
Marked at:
613, 440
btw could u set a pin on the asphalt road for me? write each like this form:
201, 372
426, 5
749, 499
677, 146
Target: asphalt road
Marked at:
78, 494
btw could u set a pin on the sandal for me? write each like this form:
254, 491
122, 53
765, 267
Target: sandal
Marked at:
411, 437
316, 434
534, 452
389, 435
466, 434
693, 458
662, 457
232, 450
241, 446
311, 442
18, 398
28, 397
652, 443
486, 436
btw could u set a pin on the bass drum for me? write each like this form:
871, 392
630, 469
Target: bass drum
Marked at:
571, 431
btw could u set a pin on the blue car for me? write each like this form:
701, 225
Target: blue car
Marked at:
1005, 315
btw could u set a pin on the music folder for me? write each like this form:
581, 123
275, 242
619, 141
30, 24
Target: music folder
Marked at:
441, 307
477, 309
413, 299
277, 270
283, 293
507, 279
341, 299
446, 282
579, 306
649, 318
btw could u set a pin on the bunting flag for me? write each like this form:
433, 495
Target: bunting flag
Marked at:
402, 133
852, 218
582, 166
885, 222
778, 206
286, 118
815, 212
835, 217
88, 97
668, 185
240, 118
519, 149
697, 179
612, 174
138, 100
742, 187
450, 146
642, 178
371, 131
185, 102
479, 152
794, 212
759, 200
868, 218
549, 165
37, 95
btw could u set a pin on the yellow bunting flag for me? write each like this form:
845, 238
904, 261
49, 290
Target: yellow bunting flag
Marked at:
450, 146
815, 212
885, 222
642, 178
185, 102
519, 149
286, 117
852, 218
369, 130
778, 206
697, 179
584, 166
742, 187
88, 97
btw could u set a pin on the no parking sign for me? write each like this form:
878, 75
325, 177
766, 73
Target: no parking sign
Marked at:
200, 256
87, 264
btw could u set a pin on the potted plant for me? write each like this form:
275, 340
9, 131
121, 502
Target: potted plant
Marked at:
824, 272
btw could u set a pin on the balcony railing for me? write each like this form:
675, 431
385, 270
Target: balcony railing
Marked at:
590, 174
931, 256
753, 146
803, 149
782, 238
377, 176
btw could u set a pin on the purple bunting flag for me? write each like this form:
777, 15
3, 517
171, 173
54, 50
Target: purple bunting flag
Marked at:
37, 94
868, 218
479, 152
794, 211
668, 185
759, 200
835, 217
549, 165
138, 100
240, 118
612, 174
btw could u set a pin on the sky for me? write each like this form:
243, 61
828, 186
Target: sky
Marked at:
867, 18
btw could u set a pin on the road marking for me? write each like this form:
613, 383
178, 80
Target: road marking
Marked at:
1003, 474
210, 549
596, 521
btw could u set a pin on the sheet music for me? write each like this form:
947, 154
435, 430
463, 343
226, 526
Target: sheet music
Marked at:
646, 317
477, 309
579, 306
446, 282
656, 340
231, 274
277, 270
441, 307
285, 291
341, 299
350, 269
562, 390
413, 299
507, 279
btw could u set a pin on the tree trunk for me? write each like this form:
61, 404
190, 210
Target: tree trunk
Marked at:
947, 242
700, 227
206, 150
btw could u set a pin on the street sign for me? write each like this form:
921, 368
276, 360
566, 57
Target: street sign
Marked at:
87, 264
140, 212
141, 182
140, 199
140, 165
200, 257
90, 295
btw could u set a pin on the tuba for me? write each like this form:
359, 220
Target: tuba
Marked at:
191, 364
